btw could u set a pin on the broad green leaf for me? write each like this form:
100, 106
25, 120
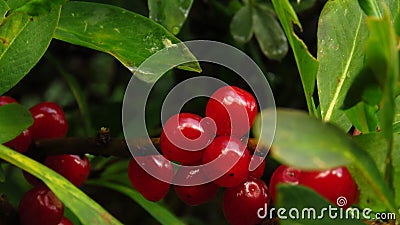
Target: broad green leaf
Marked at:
365, 87
340, 56
129, 37
241, 26
171, 14
14, 118
23, 41
308, 143
159, 212
37, 7
364, 117
310, 208
376, 146
3, 7
306, 63
269, 33
383, 59
370, 7
87, 210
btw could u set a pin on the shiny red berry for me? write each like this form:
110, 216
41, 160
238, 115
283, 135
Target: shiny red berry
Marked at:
259, 171
194, 194
336, 185
40, 206
184, 137
4, 100
22, 142
145, 182
65, 221
283, 175
74, 168
242, 204
230, 157
49, 121
233, 110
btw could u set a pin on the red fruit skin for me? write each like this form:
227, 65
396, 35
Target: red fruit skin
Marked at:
227, 152
332, 184
259, 171
150, 187
194, 194
233, 111
40, 206
4, 100
49, 121
72, 167
185, 132
65, 221
241, 203
22, 142
283, 174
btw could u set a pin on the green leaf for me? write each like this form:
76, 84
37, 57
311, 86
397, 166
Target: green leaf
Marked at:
370, 7
23, 41
314, 208
308, 143
129, 37
87, 210
269, 33
376, 146
340, 56
364, 117
365, 87
159, 212
383, 59
306, 63
241, 26
38, 7
14, 118
171, 14
302, 5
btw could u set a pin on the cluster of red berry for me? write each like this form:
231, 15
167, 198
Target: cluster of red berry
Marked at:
191, 140
214, 144
40, 206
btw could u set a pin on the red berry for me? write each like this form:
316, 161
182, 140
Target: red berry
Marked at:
259, 171
335, 185
65, 221
230, 157
73, 167
22, 142
243, 202
194, 194
40, 206
233, 110
4, 100
184, 137
283, 174
148, 185
49, 121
